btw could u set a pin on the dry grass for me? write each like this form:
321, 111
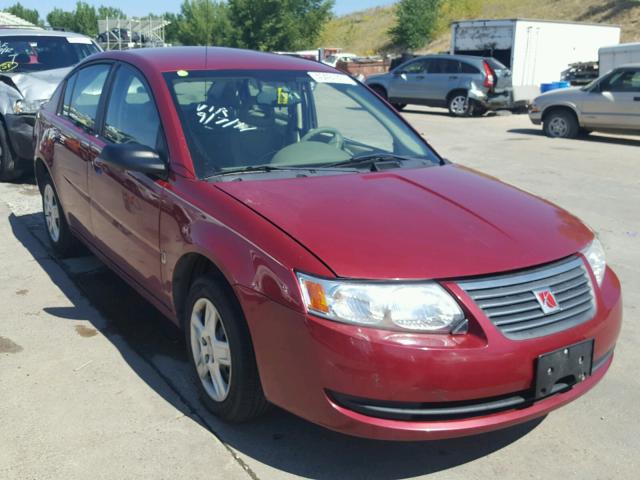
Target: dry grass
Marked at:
366, 32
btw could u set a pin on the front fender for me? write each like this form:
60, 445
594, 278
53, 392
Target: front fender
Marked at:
197, 218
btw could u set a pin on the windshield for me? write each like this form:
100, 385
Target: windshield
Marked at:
33, 53
286, 119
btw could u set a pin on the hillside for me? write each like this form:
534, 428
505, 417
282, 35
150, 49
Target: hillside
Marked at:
366, 32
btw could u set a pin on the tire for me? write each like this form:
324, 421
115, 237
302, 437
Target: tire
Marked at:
380, 91
459, 104
478, 110
8, 169
58, 232
560, 124
227, 375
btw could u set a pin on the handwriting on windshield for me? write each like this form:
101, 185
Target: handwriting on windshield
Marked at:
6, 49
210, 116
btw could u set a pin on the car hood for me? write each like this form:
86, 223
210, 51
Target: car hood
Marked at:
35, 85
438, 222
560, 94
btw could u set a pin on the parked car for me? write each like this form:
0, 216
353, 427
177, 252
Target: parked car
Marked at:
332, 60
317, 252
32, 63
609, 104
466, 85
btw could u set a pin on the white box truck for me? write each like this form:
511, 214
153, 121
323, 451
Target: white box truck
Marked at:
617, 55
536, 51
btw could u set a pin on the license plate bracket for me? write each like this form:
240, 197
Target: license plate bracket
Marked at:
562, 368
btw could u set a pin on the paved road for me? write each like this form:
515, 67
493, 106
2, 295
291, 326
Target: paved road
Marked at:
94, 383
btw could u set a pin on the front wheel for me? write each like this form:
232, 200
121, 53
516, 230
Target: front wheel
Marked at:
221, 352
561, 124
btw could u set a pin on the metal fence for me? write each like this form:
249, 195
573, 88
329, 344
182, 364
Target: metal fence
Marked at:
125, 33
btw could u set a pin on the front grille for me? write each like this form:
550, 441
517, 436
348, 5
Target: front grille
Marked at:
509, 302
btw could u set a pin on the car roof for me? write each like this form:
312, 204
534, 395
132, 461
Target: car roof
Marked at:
171, 59
40, 32
454, 57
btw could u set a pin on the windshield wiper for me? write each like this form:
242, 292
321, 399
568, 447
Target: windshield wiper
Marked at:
370, 159
271, 168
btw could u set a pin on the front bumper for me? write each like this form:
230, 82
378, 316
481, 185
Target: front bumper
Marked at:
535, 116
305, 361
20, 133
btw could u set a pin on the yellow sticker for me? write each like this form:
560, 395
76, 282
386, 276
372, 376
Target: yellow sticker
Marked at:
7, 66
283, 96
182, 73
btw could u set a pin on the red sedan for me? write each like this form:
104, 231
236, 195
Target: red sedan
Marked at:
316, 251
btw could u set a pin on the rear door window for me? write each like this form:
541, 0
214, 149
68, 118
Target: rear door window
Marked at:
468, 68
444, 66
83, 94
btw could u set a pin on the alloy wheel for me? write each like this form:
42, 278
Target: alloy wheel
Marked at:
459, 105
558, 127
210, 349
51, 213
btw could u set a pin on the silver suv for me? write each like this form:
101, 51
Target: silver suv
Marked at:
610, 104
464, 84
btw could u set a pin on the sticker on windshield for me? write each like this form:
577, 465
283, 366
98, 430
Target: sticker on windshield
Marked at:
283, 96
326, 77
83, 40
182, 73
7, 67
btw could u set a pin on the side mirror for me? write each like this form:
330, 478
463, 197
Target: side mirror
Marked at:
133, 157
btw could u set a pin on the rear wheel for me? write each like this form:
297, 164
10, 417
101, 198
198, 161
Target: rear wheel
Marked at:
561, 124
221, 352
60, 236
459, 105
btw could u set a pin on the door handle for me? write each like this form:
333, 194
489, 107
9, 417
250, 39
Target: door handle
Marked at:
453, 77
420, 77
636, 99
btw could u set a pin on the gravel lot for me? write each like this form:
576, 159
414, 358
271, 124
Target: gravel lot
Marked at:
92, 382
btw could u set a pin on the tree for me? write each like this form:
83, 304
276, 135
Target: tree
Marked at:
171, 31
28, 14
110, 12
416, 20
202, 22
61, 20
86, 19
278, 24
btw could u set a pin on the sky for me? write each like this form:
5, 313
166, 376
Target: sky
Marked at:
142, 7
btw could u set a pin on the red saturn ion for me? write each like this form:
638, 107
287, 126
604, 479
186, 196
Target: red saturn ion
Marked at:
318, 254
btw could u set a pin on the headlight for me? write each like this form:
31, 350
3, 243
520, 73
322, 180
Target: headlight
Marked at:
594, 254
27, 106
424, 307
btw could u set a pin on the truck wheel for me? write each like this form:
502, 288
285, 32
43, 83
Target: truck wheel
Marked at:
7, 162
560, 124
60, 236
459, 105
221, 353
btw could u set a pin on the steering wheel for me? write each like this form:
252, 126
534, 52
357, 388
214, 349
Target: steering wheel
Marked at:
337, 140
